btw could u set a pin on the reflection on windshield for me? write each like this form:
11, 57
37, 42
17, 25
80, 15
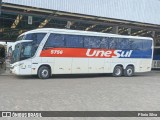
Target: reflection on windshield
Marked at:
16, 54
27, 49
23, 51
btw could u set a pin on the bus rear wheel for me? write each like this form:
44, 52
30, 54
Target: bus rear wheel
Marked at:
117, 72
129, 71
44, 72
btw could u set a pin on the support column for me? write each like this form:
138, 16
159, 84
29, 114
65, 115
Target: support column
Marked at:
115, 30
154, 37
129, 31
69, 24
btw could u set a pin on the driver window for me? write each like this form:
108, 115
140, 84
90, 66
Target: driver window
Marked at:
27, 51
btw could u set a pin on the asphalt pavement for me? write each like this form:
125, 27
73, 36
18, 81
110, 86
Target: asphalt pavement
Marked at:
81, 93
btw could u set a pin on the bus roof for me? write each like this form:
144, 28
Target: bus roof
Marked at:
78, 32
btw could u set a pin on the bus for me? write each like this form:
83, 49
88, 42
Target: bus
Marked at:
156, 58
49, 51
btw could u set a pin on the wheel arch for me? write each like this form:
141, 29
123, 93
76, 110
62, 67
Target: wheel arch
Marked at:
132, 65
119, 65
47, 65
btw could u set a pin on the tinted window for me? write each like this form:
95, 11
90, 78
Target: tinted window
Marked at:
74, 41
92, 42
36, 37
124, 43
77, 41
55, 40
119, 43
136, 44
105, 43
147, 44
113, 43
156, 51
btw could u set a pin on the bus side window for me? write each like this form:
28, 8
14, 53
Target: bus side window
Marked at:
119, 44
74, 41
147, 44
136, 44
112, 43
123, 44
55, 40
92, 42
105, 43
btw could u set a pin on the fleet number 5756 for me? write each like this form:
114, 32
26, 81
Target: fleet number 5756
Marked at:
55, 52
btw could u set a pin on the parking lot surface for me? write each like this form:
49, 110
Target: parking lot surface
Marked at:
81, 93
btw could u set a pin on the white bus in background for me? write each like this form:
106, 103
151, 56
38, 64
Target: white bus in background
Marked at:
49, 51
156, 58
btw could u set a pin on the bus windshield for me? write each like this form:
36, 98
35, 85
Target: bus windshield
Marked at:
27, 50
35, 37
23, 51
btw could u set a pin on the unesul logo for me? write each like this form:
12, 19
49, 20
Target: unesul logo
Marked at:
108, 53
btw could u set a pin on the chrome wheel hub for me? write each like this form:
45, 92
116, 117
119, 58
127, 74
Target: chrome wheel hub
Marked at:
45, 73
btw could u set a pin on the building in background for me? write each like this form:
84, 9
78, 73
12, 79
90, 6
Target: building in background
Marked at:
126, 17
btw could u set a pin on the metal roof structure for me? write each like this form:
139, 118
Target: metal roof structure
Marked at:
123, 17
144, 11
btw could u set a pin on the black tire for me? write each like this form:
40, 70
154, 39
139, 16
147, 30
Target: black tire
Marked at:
129, 71
44, 72
118, 71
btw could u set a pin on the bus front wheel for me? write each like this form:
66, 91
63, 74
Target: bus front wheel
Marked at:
117, 72
129, 71
44, 72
